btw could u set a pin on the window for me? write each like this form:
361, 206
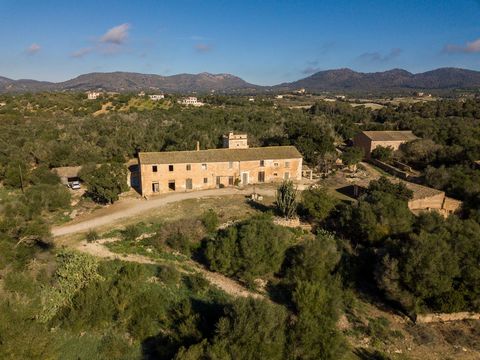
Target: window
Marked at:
155, 187
189, 167
275, 164
287, 164
204, 166
230, 165
171, 185
261, 176
170, 167
286, 176
275, 174
205, 180
154, 168
230, 180
262, 163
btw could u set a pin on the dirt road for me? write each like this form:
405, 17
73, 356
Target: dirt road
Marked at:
126, 208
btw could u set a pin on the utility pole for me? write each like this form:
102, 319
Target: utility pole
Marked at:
21, 178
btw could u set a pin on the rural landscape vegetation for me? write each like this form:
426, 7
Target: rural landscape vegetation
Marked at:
335, 265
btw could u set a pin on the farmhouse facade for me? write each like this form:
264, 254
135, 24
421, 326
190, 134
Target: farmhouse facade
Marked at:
369, 140
163, 172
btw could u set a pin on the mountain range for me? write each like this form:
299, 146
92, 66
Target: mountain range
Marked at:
339, 80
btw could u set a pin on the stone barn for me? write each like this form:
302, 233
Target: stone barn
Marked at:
369, 140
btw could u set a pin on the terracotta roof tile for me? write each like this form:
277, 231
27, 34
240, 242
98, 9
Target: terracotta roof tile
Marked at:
219, 155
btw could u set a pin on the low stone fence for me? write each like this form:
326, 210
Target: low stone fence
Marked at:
292, 223
392, 170
439, 317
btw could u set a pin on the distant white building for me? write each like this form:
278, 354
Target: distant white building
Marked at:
3, 103
156, 97
279, 97
191, 100
93, 95
141, 94
251, 99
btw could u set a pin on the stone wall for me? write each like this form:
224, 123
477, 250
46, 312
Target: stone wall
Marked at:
439, 317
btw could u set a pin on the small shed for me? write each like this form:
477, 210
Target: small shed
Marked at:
67, 173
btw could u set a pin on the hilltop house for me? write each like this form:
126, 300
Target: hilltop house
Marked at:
236, 163
369, 140
156, 97
93, 95
191, 100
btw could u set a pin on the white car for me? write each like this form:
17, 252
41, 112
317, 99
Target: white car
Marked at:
75, 185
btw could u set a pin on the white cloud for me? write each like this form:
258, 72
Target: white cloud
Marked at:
469, 48
203, 48
33, 49
110, 43
378, 57
116, 35
82, 52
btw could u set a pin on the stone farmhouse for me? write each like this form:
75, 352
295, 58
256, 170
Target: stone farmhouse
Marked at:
369, 140
235, 164
424, 198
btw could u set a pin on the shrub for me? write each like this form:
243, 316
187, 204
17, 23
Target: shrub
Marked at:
131, 232
179, 242
197, 283
168, 275
317, 204
248, 249
210, 221
382, 153
92, 236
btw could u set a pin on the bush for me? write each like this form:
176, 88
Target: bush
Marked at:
383, 153
210, 221
105, 183
168, 275
248, 249
197, 283
47, 197
131, 232
317, 204
92, 236
179, 242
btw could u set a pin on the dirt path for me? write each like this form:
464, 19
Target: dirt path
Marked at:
126, 208
231, 287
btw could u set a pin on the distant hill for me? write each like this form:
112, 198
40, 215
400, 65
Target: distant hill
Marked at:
340, 80
392, 80
126, 81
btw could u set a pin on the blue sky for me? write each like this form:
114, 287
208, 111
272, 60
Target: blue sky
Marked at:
264, 42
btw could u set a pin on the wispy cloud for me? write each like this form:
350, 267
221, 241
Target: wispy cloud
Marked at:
116, 35
82, 52
203, 48
111, 42
312, 67
33, 49
379, 57
470, 48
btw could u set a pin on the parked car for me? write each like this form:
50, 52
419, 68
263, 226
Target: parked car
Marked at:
75, 185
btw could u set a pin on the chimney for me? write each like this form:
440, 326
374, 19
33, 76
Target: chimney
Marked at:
198, 145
